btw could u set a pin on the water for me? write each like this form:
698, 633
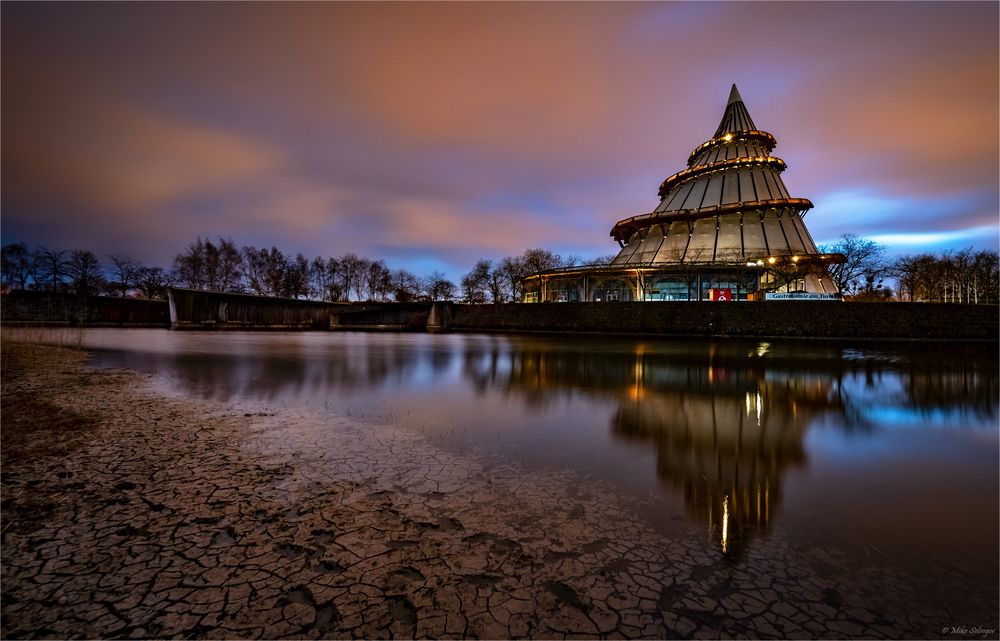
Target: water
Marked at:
885, 451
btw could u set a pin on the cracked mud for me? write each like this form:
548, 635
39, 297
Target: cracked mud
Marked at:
128, 514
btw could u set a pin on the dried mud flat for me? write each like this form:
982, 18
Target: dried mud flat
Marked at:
130, 514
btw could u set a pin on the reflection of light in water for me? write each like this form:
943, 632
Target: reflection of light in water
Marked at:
636, 390
725, 523
894, 417
755, 402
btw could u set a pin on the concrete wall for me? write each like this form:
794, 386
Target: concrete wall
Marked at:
194, 309
21, 307
396, 316
821, 319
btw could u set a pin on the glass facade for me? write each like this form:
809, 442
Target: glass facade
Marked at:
670, 288
611, 291
563, 290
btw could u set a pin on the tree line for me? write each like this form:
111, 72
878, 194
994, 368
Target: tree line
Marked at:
500, 281
955, 276
220, 266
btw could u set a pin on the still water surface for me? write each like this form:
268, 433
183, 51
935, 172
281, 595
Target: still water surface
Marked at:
886, 451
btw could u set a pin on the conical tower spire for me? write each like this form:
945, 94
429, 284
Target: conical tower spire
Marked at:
736, 117
734, 95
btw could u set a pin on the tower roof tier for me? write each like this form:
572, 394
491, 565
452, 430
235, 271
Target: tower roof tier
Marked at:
625, 228
719, 165
762, 137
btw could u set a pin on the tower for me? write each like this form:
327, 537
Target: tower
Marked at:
726, 228
728, 207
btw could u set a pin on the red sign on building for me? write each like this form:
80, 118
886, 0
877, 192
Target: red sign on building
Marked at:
720, 295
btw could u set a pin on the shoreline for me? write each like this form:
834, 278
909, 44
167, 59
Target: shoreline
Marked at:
165, 516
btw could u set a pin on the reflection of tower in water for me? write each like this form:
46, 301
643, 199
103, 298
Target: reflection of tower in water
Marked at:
724, 439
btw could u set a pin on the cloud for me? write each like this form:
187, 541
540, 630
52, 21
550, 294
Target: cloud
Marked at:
933, 241
123, 160
438, 133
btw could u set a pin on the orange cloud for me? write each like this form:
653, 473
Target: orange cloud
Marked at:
130, 161
437, 224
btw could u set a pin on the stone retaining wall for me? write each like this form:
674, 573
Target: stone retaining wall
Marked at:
394, 316
195, 309
821, 319
21, 307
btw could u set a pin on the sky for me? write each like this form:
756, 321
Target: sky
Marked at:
434, 134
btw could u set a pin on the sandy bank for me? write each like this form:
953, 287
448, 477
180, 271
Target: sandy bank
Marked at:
130, 514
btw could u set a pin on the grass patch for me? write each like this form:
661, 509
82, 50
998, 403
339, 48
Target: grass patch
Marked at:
22, 347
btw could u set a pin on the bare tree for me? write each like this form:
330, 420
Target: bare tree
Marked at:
437, 287
336, 289
52, 267
985, 277
923, 276
152, 282
540, 260
84, 271
606, 259
190, 266
954, 277
501, 281
264, 271
497, 284
123, 268
318, 279
211, 266
19, 266
255, 269
865, 262
296, 281
352, 271
906, 272
512, 270
405, 286
229, 275
376, 278
475, 284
